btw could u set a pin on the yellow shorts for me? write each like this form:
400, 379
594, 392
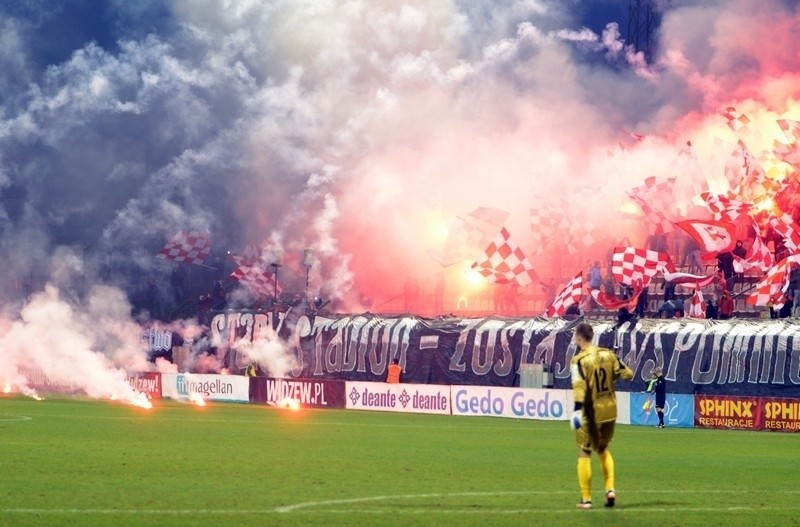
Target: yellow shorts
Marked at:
594, 437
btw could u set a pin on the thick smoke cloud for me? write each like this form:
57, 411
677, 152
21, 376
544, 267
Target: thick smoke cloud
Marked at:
353, 127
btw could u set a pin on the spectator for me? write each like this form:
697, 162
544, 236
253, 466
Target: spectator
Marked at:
153, 300
725, 265
669, 290
219, 295
624, 316
549, 290
794, 288
739, 250
178, 281
595, 282
726, 306
393, 376
667, 309
573, 310
203, 307
711, 310
680, 307
695, 262
595, 276
788, 305
644, 299
512, 299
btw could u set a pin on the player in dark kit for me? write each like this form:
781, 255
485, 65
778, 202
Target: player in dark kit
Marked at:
659, 385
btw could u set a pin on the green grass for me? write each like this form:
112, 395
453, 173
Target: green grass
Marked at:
88, 463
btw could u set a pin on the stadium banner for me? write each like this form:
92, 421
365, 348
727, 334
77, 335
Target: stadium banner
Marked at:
678, 410
232, 388
781, 414
719, 411
309, 393
741, 357
518, 403
42, 383
410, 398
147, 382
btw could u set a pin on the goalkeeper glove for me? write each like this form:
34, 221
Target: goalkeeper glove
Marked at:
576, 420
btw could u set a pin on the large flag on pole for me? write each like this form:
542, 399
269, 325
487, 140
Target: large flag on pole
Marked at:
570, 295
187, 246
714, 236
504, 262
631, 266
260, 282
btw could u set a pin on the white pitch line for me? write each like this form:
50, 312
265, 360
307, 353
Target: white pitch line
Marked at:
14, 417
351, 501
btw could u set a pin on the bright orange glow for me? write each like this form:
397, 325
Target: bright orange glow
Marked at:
7, 388
474, 279
766, 204
630, 208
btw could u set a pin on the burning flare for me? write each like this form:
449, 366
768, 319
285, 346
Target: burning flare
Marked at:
289, 403
197, 399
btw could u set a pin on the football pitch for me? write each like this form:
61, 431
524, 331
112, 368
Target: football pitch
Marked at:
73, 462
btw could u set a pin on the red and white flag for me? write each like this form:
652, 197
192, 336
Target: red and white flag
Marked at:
631, 266
725, 208
785, 226
760, 257
569, 296
464, 242
788, 152
658, 222
713, 236
690, 280
771, 288
543, 224
504, 262
260, 282
249, 257
697, 308
739, 123
612, 302
656, 194
187, 246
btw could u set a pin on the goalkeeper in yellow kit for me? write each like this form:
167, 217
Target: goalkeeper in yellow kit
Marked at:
594, 372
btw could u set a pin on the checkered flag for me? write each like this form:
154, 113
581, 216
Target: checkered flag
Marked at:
260, 282
543, 224
760, 258
659, 224
632, 266
771, 288
697, 308
789, 153
570, 295
785, 226
464, 242
249, 257
504, 262
739, 123
659, 194
187, 246
725, 208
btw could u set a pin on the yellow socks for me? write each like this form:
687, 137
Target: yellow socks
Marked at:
607, 462
585, 477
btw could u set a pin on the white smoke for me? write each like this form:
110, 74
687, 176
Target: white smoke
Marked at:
87, 348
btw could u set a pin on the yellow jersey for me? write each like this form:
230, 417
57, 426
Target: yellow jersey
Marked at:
594, 374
